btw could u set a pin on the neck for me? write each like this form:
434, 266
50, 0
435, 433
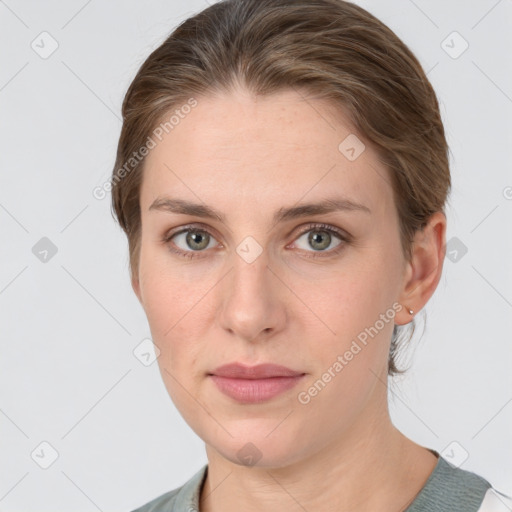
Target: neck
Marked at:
371, 466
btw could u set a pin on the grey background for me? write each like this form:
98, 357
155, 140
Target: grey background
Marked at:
70, 324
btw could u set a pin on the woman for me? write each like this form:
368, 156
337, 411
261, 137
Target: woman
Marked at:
281, 176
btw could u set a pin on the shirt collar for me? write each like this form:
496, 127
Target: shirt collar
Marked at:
187, 498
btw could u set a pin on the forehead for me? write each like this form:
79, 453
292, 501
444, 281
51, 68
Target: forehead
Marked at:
280, 147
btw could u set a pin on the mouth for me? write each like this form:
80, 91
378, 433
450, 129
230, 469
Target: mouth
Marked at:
254, 384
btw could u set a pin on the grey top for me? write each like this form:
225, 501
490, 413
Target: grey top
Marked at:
447, 488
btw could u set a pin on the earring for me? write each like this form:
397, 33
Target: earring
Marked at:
411, 312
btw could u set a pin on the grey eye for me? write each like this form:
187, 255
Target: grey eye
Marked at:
318, 239
193, 239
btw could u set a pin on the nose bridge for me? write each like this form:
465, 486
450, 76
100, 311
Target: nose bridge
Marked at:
249, 277
249, 302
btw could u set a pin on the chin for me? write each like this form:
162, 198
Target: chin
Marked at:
258, 449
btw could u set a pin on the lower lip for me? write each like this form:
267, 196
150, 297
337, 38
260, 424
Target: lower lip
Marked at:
255, 390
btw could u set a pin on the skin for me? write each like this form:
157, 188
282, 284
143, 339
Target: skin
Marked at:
248, 157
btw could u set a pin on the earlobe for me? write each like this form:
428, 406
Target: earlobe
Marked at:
408, 307
425, 268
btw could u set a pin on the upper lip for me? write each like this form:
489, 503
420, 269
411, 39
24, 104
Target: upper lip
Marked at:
260, 371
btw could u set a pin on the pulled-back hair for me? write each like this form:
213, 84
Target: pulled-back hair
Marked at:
331, 48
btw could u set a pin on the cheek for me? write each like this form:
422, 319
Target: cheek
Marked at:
174, 317
348, 360
166, 295
353, 317
171, 308
179, 310
352, 298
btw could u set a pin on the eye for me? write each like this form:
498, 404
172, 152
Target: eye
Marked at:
320, 237
189, 241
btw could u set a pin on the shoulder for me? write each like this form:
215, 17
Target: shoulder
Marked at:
181, 499
451, 488
165, 502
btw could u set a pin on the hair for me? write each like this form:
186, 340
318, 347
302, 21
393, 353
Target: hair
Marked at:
331, 48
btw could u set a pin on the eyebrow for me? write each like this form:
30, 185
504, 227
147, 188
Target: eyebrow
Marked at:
181, 206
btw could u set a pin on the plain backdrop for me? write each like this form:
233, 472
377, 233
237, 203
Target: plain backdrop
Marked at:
71, 386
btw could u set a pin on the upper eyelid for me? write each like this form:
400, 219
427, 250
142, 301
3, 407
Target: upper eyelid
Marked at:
188, 227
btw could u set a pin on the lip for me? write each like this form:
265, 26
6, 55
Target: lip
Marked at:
254, 384
260, 371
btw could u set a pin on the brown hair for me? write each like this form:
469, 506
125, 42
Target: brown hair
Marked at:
332, 48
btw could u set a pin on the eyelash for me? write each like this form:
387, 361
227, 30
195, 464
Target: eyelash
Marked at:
311, 227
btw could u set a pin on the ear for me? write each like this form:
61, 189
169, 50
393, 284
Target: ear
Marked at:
423, 272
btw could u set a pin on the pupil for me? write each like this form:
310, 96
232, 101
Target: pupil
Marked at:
197, 238
318, 238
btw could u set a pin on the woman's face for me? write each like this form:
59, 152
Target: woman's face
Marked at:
263, 282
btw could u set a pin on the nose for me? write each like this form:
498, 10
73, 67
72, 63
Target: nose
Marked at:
252, 300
